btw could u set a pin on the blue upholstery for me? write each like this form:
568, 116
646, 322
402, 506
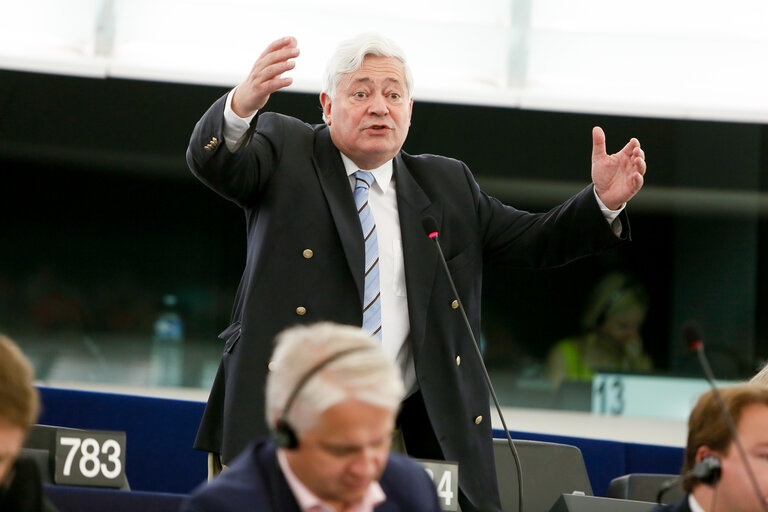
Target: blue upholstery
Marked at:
159, 433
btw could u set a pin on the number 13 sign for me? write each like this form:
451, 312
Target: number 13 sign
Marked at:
91, 458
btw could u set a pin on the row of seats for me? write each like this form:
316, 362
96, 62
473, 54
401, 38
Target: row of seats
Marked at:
550, 470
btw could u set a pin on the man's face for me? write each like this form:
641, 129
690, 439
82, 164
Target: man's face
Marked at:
345, 452
370, 116
734, 491
11, 439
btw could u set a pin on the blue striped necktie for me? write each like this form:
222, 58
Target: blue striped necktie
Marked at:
372, 295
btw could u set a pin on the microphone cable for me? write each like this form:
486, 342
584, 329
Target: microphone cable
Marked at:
430, 227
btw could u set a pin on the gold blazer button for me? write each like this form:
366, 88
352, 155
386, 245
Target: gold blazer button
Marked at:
308, 253
455, 304
478, 420
301, 311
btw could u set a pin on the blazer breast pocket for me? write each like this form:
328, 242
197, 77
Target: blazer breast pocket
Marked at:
461, 261
230, 336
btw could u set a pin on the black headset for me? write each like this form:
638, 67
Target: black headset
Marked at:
708, 470
283, 435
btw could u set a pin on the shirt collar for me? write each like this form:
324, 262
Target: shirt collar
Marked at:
309, 502
382, 174
693, 504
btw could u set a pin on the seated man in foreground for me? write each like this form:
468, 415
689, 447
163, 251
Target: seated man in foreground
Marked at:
714, 474
332, 396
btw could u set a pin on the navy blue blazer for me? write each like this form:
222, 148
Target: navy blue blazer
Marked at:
254, 481
292, 186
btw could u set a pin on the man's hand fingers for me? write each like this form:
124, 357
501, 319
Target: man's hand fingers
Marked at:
276, 84
629, 148
640, 165
280, 56
287, 41
598, 143
273, 71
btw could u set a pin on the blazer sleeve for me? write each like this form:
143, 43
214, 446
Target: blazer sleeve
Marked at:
569, 231
239, 176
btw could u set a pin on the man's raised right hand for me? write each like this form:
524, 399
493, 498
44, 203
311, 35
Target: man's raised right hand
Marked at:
265, 76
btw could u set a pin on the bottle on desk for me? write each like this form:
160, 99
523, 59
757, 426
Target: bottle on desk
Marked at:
167, 352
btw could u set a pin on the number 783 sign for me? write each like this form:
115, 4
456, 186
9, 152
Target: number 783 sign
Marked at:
90, 458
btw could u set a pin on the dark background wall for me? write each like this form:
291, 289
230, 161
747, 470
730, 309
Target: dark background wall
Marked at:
96, 197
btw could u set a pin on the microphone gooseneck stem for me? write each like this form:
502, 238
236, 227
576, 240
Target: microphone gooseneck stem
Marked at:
729, 420
515, 455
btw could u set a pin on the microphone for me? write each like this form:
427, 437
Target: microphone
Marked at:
430, 228
693, 337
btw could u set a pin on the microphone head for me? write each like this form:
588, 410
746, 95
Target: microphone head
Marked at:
430, 226
692, 335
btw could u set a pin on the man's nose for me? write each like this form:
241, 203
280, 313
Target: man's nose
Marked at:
367, 463
378, 106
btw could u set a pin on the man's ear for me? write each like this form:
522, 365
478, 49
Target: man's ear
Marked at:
325, 102
708, 468
705, 451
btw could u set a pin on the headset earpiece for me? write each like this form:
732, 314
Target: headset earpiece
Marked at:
284, 436
708, 470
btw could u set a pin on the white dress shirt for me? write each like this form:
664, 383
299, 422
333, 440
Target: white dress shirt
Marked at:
694, 505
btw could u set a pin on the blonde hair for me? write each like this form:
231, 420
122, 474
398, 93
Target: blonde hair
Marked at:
614, 293
19, 399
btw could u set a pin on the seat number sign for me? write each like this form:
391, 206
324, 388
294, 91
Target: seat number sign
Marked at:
90, 458
445, 475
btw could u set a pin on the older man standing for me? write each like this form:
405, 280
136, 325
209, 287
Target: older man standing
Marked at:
332, 397
334, 216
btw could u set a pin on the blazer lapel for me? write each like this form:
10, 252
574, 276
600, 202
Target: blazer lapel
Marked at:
279, 494
419, 251
335, 184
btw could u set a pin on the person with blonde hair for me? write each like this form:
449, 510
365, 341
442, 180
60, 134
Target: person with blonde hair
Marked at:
20, 483
610, 339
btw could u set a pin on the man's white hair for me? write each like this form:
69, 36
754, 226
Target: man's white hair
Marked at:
349, 56
366, 374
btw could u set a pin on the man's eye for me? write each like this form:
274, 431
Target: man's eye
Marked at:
359, 95
394, 96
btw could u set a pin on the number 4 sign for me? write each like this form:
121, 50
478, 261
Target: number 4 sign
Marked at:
445, 475
91, 458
